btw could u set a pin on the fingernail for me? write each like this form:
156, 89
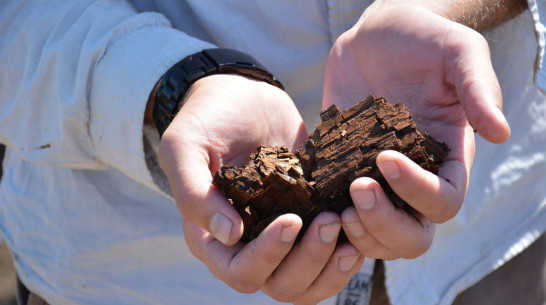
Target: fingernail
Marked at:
289, 233
355, 229
389, 169
347, 263
221, 227
364, 199
329, 232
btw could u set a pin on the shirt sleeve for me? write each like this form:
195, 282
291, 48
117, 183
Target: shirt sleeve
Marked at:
538, 12
75, 77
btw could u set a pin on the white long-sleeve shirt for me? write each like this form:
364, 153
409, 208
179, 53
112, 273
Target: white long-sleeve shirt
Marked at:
85, 209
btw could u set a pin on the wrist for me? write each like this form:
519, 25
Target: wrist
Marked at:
168, 94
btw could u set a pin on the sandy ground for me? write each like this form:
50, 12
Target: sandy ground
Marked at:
7, 277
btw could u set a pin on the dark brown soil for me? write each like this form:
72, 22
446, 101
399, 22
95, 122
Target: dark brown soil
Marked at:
317, 176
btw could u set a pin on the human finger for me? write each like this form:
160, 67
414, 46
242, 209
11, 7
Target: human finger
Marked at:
406, 235
469, 68
343, 264
245, 267
363, 240
186, 165
438, 198
306, 260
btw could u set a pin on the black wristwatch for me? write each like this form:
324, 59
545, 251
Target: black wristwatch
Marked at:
177, 80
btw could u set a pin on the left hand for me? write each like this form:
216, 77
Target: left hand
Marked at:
224, 119
442, 71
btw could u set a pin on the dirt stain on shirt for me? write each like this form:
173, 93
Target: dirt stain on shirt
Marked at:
43, 146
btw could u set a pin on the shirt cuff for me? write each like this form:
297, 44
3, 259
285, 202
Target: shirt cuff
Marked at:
122, 82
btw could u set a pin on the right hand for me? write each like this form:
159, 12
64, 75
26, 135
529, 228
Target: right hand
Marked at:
442, 71
224, 119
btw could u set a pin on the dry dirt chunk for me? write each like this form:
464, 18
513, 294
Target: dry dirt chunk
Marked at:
345, 146
342, 148
271, 185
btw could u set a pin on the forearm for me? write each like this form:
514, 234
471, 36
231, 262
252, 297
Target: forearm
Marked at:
480, 15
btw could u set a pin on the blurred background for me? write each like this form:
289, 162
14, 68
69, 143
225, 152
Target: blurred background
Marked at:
7, 277
7, 271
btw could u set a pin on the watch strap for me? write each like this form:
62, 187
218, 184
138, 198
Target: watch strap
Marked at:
174, 84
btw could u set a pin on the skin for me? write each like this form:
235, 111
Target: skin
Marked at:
442, 71
404, 50
224, 119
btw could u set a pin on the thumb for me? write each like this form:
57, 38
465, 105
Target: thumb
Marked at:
470, 69
198, 200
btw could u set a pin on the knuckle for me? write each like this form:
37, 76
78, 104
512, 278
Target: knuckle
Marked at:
286, 296
446, 213
186, 207
243, 286
272, 256
188, 202
417, 251
268, 252
421, 243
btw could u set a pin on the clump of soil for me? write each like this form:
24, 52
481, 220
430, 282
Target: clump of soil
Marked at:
317, 176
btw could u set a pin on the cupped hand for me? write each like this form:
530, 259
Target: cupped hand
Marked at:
442, 71
224, 119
